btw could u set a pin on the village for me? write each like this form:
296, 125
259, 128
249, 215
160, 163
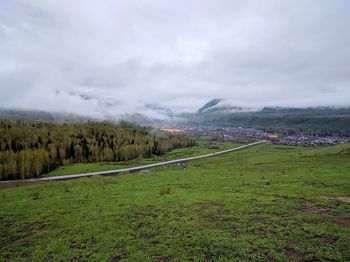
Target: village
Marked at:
248, 135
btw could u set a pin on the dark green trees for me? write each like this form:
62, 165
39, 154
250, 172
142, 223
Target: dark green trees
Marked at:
30, 149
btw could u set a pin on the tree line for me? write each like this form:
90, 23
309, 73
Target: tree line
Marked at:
29, 149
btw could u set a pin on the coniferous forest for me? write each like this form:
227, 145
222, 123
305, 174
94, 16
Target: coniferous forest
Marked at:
29, 149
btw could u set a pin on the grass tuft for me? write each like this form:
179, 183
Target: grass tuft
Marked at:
35, 193
164, 191
66, 189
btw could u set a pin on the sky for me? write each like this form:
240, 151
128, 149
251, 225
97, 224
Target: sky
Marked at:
113, 57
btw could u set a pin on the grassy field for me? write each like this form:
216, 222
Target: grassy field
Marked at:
265, 203
202, 148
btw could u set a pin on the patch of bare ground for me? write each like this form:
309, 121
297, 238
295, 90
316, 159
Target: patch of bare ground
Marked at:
326, 212
208, 257
215, 214
343, 222
209, 204
291, 253
118, 258
160, 258
309, 208
22, 231
315, 211
257, 219
345, 199
82, 245
147, 211
328, 239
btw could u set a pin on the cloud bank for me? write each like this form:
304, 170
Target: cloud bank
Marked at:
111, 57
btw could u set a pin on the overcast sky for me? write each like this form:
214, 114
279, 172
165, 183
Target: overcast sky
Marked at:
115, 57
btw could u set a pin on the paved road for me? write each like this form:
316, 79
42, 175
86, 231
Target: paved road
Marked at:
130, 169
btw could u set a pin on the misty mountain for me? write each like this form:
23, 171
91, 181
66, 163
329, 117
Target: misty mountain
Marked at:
308, 110
36, 115
209, 106
220, 113
215, 113
221, 106
61, 117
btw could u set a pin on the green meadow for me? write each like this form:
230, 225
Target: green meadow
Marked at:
200, 149
263, 203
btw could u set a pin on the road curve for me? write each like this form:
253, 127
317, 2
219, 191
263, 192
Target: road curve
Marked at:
130, 169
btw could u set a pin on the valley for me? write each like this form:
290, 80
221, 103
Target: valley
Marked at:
174, 131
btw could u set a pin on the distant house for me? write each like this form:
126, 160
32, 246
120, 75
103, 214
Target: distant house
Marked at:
173, 130
273, 136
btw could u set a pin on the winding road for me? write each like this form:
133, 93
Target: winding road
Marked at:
130, 169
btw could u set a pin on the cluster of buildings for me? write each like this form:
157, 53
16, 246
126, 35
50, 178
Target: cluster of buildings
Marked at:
247, 135
232, 134
314, 140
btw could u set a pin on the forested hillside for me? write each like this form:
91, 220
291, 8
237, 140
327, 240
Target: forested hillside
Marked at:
28, 149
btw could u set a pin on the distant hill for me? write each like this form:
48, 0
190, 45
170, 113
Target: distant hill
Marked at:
59, 117
209, 106
218, 113
220, 106
34, 115
215, 113
308, 110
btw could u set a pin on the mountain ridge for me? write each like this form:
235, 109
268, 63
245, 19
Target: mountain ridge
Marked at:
215, 113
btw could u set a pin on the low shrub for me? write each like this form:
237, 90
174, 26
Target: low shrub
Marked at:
35, 194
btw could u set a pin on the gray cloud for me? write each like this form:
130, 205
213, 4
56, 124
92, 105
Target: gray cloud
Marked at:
124, 55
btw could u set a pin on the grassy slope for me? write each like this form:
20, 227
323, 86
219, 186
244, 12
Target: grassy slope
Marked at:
173, 154
263, 203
